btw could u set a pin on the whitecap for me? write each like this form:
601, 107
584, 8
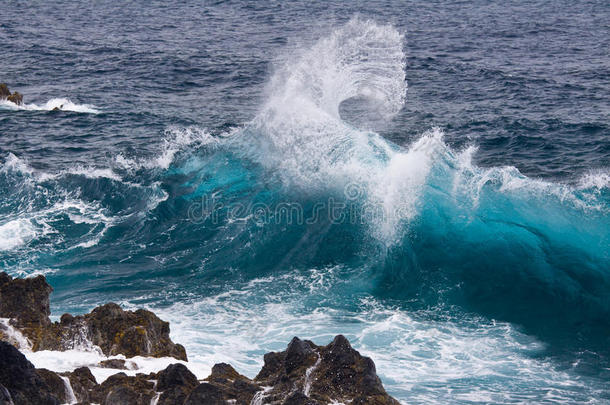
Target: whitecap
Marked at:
63, 104
16, 233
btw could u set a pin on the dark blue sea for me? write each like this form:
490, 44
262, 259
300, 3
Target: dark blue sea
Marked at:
429, 178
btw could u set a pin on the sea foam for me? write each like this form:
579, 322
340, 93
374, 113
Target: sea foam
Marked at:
62, 104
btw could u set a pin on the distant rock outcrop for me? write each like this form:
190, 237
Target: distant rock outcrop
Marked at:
5, 94
4, 91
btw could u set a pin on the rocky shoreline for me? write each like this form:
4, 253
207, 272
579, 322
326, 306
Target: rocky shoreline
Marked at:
303, 374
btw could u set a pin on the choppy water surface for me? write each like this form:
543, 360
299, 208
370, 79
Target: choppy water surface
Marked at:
429, 179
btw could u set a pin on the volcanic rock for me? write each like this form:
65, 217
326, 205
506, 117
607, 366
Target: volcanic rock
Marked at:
139, 333
121, 389
113, 330
82, 382
235, 386
175, 383
303, 374
26, 300
55, 383
208, 394
335, 372
20, 379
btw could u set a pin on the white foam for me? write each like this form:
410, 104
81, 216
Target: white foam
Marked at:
40, 207
155, 399
308, 375
13, 163
92, 172
32, 225
175, 140
69, 391
62, 104
16, 233
299, 127
596, 180
259, 397
66, 361
14, 336
420, 356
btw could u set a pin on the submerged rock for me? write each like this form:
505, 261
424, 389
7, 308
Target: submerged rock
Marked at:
117, 364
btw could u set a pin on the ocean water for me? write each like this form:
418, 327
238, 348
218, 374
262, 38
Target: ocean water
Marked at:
430, 179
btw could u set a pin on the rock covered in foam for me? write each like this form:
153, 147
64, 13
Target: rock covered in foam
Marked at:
117, 364
5, 94
112, 329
